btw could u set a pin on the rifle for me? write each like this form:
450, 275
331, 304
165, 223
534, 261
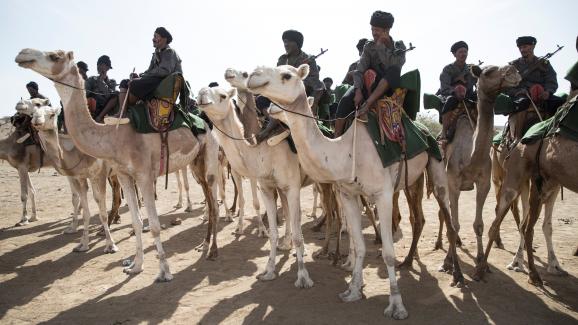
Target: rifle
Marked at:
313, 57
540, 60
410, 48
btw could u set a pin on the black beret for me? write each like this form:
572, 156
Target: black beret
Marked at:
293, 35
213, 84
526, 40
458, 45
361, 44
104, 59
32, 85
164, 34
327, 79
82, 65
381, 19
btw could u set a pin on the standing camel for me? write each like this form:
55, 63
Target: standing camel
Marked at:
334, 161
135, 157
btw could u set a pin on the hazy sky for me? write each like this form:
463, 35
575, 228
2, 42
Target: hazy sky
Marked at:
211, 36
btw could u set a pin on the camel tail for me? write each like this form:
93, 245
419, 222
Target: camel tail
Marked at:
428, 186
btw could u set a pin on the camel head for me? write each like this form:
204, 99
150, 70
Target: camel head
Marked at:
282, 84
54, 65
27, 106
237, 79
493, 79
216, 102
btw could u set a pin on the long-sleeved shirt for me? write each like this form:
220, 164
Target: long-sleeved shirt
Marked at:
451, 75
378, 56
163, 63
103, 87
312, 80
542, 74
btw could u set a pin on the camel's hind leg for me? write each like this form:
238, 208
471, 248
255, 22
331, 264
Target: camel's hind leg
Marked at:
82, 189
238, 182
267, 193
371, 216
179, 204
24, 181
483, 184
185, 175
294, 218
75, 198
32, 195
113, 216
128, 186
416, 195
553, 264
517, 263
99, 193
286, 242
257, 207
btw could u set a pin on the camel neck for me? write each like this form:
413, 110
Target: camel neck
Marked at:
323, 159
484, 127
248, 115
88, 136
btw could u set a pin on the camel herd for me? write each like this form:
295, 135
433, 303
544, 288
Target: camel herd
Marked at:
346, 171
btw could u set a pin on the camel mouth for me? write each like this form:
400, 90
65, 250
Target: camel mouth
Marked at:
257, 86
203, 103
25, 63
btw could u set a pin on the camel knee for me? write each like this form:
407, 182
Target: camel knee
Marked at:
479, 229
210, 179
389, 260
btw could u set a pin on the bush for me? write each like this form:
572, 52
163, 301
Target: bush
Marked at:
430, 120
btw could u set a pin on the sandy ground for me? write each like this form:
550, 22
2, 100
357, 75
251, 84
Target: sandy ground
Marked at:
42, 280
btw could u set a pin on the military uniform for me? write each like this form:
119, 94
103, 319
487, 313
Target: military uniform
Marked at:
385, 61
452, 75
348, 80
543, 74
163, 63
101, 90
311, 82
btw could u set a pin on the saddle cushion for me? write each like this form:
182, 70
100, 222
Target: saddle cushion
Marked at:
563, 123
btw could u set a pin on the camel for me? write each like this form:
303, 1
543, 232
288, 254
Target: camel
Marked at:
334, 161
25, 159
276, 168
133, 156
465, 169
77, 166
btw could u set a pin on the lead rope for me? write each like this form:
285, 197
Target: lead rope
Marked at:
534, 106
353, 177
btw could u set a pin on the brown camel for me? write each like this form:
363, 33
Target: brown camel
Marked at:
135, 157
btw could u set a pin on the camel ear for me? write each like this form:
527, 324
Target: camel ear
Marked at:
476, 70
70, 55
489, 70
310, 101
232, 92
303, 71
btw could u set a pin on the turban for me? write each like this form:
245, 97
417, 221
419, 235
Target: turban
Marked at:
361, 44
164, 33
526, 40
293, 35
82, 65
459, 45
381, 19
104, 59
32, 85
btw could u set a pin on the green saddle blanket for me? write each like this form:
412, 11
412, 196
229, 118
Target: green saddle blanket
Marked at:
497, 139
563, 123
418, 139
140, 120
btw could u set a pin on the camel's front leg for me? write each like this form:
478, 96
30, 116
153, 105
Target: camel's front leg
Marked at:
286, 241
238, 181
482, 190
353, 216
553, 264
82, 188
518, 259
267, 193
186, 185
180, 187
294, 207
32, 195
395, 309
73, 227
128, 188
257, 207
99, 193
24, 180
222, 195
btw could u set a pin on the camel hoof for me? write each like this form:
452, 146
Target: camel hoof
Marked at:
80, 248
213, 254
21, 223
189, 209
238, 231
178, 206
132, 270
535, 280
70, 230
33, 219
557, 270
110, 249
406, 264
202, 247
396, 312
445, 268
458, 281
322, 253
458, 242
313, 216
350, 296
146, 229
262, 233
267, 276
480, 272
499, 244
516, 267
228, 219
303, 283
164, 277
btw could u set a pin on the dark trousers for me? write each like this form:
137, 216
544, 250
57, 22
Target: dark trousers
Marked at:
550, 106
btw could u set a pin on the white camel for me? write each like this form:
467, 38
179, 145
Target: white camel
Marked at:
135, 157
334, 160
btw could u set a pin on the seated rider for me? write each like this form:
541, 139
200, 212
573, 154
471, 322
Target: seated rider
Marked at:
294, 56
101, 90
348, 80
538, 83
384, 57
456, 85
165, 61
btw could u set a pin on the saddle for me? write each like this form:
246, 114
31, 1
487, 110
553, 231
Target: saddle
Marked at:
160, 108
451, 118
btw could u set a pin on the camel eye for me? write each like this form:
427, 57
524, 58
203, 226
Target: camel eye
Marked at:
223, 96
54, 57
286, 76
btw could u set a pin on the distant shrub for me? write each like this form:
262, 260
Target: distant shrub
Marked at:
430, 120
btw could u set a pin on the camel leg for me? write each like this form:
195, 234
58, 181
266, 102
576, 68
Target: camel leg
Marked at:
267, 193
180, 187
233, 207
73, 227
32, 195
262, 232
517, 263
439, 241
535, 207
286, 242
371, 217
294, 217
507, 195
147, 188
482, 189
397, 232
113, 216
384, 203
82, 188
553, 264
337, 218
353, 216
416, 213
187, 189
129, 190
351, 256
24, 180
222, 195
314, 208
326, 202
437, 175
238, 182
99, 193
